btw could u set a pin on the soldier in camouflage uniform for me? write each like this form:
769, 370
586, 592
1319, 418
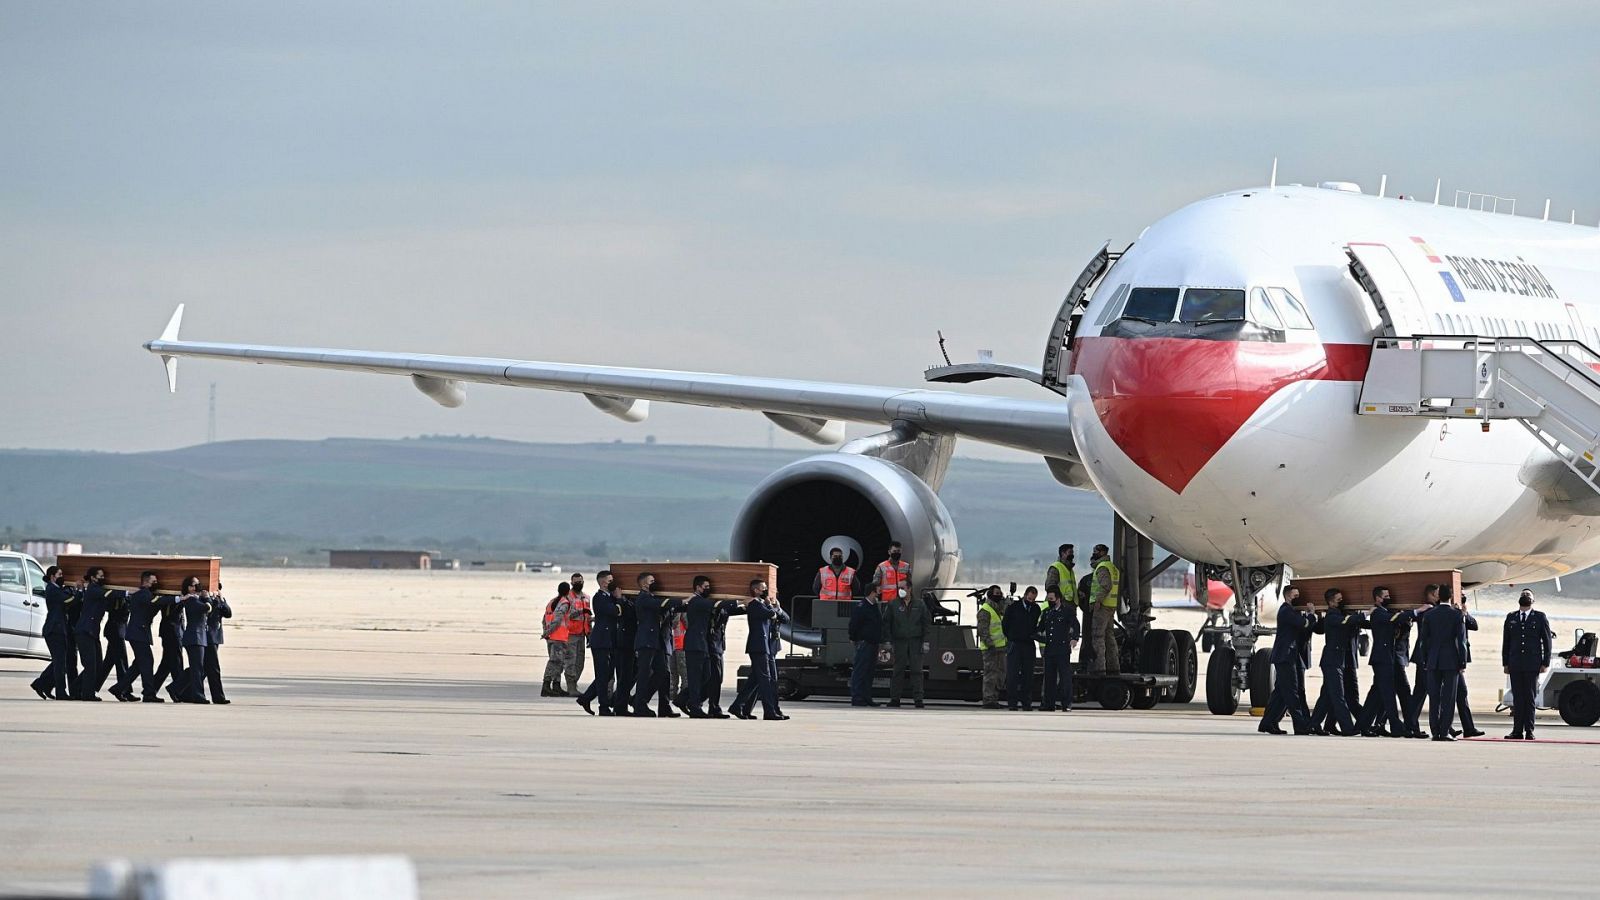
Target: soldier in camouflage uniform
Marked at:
992, 642
555, 640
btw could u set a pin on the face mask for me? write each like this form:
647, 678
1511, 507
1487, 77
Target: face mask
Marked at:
836, 562
894, 555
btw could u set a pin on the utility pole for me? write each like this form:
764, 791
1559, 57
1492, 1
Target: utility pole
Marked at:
211, 417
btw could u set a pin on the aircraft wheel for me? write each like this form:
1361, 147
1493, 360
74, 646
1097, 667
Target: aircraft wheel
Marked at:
1188, 667
1156, 654
1261, 678
1114, 694
1145, 699
1222, 698
1579, 704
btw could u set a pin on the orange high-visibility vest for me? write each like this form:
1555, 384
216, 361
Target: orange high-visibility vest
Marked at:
560, 634
580, 619
894, 577
837, 587
679, 629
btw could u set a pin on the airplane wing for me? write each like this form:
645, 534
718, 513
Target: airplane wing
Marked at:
813, 409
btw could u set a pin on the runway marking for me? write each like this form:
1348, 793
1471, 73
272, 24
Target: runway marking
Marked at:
1490, 740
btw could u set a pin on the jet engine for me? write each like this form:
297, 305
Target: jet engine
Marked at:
857, 502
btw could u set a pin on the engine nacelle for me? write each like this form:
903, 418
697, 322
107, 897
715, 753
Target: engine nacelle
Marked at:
799, 510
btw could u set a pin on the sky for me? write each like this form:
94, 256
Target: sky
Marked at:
807, 190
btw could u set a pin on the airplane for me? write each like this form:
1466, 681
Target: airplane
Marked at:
1263, 379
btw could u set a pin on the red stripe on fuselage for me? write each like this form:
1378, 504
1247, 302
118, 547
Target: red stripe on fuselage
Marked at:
1172, 403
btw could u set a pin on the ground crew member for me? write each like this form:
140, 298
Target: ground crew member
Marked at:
219, 610
195, 605
992, 644
652, 648
908, 623
580, 620
1086, 617
678, 664
1021, 626
866, 632
1445, 634
835, 581
96, 598
1463, 709
603, 644
142, 607
698, 620
1289, 666
1525, 650
1058, 632
56, 681
1104, 594
555, 640
1060, 577
891, 580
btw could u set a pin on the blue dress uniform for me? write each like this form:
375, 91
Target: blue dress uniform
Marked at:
96, 599
716, 649
1290, 647
116, 635
697, 640
1058, 628
652, 647
1419, 657
1446, 644
1340, 628
1463, 709
1020, 623
626, 661
194, 638
760, 645
169, 629
866, 632
219, 610
1525, 650
143, 605
603, 645
58, 678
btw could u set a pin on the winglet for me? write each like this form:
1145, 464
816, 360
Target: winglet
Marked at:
170, 333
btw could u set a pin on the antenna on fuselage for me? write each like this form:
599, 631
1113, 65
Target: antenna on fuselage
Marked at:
1383, 186
1438, 185
1272, 183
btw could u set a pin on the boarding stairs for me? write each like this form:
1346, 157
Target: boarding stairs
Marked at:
1551, 387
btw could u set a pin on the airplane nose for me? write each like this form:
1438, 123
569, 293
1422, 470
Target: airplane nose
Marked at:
1171, 404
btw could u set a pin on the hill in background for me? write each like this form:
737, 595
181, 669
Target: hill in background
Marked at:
266, 501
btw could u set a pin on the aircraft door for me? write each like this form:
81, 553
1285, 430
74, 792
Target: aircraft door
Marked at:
1057, 352
1390, 288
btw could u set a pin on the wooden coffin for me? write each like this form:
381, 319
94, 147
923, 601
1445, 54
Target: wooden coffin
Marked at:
123, 572
729, 580
1405, 589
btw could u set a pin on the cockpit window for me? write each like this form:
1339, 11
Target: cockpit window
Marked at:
1294, 314
1262, 312
1113, 306
1212, 305
1151, 304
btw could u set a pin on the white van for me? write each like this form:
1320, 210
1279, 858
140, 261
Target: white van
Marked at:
21, 606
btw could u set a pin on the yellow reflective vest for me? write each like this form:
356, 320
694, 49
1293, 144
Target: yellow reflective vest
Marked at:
995, 637
1114, 594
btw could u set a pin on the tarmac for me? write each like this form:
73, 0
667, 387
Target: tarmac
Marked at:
398, 713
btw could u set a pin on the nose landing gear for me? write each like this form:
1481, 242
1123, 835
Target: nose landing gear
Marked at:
1236, 665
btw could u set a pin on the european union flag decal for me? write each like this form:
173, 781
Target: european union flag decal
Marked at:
1455, 290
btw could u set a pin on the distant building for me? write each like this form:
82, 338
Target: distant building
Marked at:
46, 550
496, 565
380, 559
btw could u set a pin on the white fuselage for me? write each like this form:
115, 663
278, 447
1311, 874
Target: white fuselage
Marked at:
1251, 450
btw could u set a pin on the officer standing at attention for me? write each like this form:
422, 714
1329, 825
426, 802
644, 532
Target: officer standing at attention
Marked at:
1463, 708
219, 610
603, 644
697, 646
992, 644
909, 622
580, 620
891, 580
835, 582
87, 633
1445, 638
1385, 661
1021, 626
555, 640
142, 607
195, 605
1340, 628
866, 632
1289, 668
1525, 650
57, 678
1104, 594
652, 648
1058, 632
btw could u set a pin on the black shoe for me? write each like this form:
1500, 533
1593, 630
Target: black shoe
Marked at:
128, 697
544, 689
40, 691
894, 704
586, 703
92, 697
683, 708
718, 714
606, 711
1515, 736
697, 714
152, 698
1053, 709
1446, 738
1454, 733
919, 704
556, 691
1319, 732
1303, 733
992, 705
174, 695
667, 713
1474, 733
777, 718
201, 700
1371, 733
644, 713
1419, 735
63, 696
738, 714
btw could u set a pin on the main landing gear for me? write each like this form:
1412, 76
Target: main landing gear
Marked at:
1236, 664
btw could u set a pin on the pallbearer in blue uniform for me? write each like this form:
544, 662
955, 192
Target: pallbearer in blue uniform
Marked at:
603, 647
55, 682
1463, 707
142, 607
652, 648
96, 598
195, 605
1419, 657
765, 616
219, 610
1445, 635
701, 618
1020, 622
1340, 627
1288, 663
717, 645
1058, 633
116, 635
1385, 660
170, 630
1525, 650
